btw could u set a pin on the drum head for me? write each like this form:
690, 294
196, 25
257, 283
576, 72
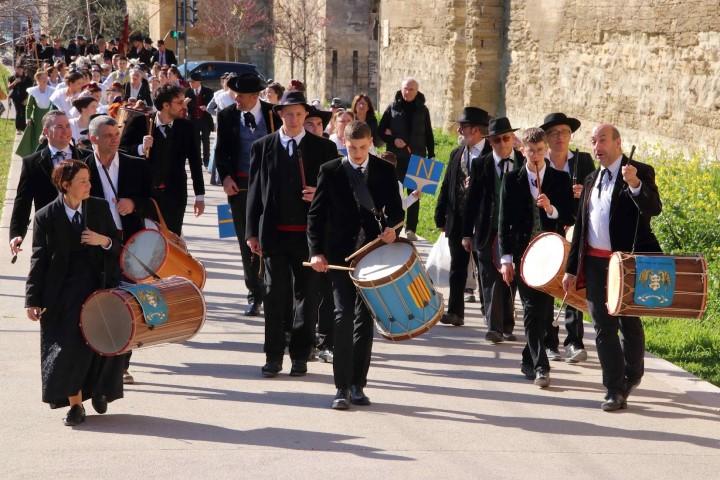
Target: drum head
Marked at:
149, 247
151, 224
383, 262
106, 322
615, 280
543, 259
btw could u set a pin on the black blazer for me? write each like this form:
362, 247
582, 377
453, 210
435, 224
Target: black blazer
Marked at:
143, 94
34, 187
134, 182
448, 208
262, 201
52, 237
516, 203
227, 145
206, 95
334, 219
169, 57
481, 199
183, 149
624, 215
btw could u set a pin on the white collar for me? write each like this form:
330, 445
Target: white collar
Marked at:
115, 164
70, 212
477, 148
362, 165
498, 159
66, 150
285, 139
532, 175
159, 123
614, 167
256, 110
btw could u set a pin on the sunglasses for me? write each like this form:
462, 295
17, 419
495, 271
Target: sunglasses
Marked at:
507, 138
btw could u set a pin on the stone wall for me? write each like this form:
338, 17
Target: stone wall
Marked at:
652, 68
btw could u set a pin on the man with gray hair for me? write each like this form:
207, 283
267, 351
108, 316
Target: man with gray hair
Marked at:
406, 129
35, 186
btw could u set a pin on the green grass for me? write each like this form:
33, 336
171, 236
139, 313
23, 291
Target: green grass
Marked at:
444, 144
7, 137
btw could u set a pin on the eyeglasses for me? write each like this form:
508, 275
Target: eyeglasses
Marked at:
507, 138
560, 134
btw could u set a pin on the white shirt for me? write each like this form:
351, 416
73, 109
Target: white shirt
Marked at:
508, 166
566, 168
70, 212
109, 190
60, 99
42, 99
224, 98
472, 151
363, 165
285, 140
66, 151
256, 112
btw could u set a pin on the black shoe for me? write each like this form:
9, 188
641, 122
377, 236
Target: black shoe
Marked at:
614, 402
271, 369
631, 385
358, 397
528, 371
253, 310
75, 416
452, 319
494, 337
341, 400
100, 404
298, 369
509, 337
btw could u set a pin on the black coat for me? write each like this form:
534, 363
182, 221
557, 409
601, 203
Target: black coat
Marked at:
335, 217
169, 57
144, 93
227, 145
206, 95
448, 211
482, 200
50, 259
265, 172
183, 138
34, 187
134, 182
624, 215
516, 204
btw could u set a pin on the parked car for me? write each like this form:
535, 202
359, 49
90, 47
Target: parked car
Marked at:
212, 70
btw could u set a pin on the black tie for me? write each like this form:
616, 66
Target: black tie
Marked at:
164, 129
602, 179
77, 222
360, 170
250, 120
58, 157
534, 182
291, 147
503, 162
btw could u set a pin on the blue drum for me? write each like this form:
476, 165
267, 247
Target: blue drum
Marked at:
398, 291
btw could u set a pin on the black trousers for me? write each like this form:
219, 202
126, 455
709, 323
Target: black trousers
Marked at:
326, 314
172, 208
621, 362
412, 215
537, 318
497, 296
286, 280
202, 128
353, 333
251, 263
459, 259
20, 121
573, 327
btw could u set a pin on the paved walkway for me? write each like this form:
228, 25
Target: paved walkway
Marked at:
445, 405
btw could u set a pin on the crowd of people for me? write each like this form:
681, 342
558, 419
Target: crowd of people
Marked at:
306, 184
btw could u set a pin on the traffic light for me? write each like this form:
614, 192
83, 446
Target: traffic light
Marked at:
193, 14
177, 34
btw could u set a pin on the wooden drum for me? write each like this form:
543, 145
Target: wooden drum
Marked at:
113, 323
689, 296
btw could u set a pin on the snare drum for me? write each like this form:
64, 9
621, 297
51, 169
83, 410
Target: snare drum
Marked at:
113, 323
543, 265
150, 248
679, 291
398, 291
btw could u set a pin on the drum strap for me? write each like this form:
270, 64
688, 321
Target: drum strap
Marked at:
361, 191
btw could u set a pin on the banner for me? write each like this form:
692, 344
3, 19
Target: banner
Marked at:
423, 174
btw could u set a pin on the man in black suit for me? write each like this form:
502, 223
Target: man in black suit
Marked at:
163, 56
239, 125
578, 165
283, 173
170, 144
450, 207
35, 186
138, 50
616, 205
200, 96
534, 199
481, 226
339, 223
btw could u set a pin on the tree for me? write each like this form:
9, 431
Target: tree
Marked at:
297, 25
232, 21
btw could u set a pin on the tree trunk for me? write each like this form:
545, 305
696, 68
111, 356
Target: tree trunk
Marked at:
292, 66
227, 50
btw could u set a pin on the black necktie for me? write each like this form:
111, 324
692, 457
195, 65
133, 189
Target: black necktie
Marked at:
360, 171
77, 222
291, 147
503, 162
164, 129
58, 157
602, 179
250, 120
533, 181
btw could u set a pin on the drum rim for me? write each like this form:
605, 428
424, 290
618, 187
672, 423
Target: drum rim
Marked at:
416, 332
129, 241
616, 266
533, 241
388, 279
123, 296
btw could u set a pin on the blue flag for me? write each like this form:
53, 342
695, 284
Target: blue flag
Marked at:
654, 281
226, 227
423, 174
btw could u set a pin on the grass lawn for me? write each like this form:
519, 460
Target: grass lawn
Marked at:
7, 137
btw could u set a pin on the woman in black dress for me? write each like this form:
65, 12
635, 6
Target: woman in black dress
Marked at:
75, 252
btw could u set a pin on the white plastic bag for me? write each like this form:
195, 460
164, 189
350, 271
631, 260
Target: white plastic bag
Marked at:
438, 262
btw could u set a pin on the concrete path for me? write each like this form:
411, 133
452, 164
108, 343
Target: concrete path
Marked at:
445, 405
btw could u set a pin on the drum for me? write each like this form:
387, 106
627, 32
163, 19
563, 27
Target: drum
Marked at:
569, 233
543, 265
126, 114
398, 291
112, 321
673, 286
150, 250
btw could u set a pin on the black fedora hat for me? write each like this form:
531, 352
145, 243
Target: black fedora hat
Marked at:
196, 76
323, 115
499, 126
292, 98
474, 116
248, 83
560, 119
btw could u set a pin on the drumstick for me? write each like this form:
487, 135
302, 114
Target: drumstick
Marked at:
371, 244
331, 267
150, 125
557, 317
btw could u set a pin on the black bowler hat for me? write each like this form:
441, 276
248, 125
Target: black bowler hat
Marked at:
499, 126
292, 98
196, 76
474, 116
560, 119
248, 83
323, 115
